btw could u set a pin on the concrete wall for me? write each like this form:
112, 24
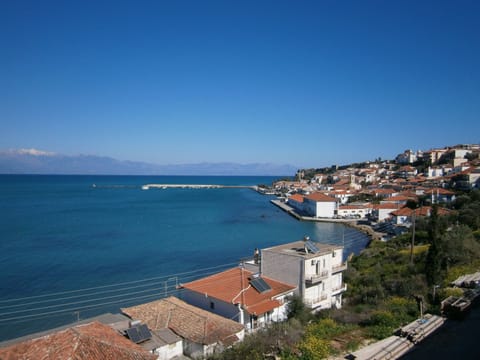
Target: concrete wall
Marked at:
193, 350
169, 351
283, 267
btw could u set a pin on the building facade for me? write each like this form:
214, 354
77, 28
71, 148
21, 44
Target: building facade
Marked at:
316, 270
320, 205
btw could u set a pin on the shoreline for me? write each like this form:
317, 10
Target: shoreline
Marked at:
367, 230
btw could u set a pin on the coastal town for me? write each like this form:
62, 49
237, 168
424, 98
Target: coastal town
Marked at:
214, 314
377, 193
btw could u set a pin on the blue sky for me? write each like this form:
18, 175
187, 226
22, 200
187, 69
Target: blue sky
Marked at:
308, 83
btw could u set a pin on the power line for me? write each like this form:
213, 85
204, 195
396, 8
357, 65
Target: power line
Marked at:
160, 291
103, 292
162, 288
72, 310
117, 284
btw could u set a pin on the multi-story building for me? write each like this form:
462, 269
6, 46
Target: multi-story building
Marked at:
407, 157
316, 269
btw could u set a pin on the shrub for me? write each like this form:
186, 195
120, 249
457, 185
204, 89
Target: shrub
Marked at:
313, 348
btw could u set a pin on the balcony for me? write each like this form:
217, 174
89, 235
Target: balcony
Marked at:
315, 301
339, 268
316, 278
339, 289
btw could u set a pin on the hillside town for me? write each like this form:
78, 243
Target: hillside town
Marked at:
387, 195
213, 313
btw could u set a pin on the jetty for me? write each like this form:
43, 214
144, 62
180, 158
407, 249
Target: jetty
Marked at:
196, 186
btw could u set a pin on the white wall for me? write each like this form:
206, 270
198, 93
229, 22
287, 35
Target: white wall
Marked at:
169, 351
225, 309
325, 209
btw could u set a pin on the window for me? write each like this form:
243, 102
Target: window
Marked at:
212, 305
334, 254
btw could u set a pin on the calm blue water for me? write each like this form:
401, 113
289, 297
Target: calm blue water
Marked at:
60, 235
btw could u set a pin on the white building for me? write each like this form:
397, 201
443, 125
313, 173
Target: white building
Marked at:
241, 295
408, 157
316, 269
381, 212
319, 205
357, 211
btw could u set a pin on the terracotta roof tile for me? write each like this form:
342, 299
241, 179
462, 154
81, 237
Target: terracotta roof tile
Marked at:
320, 197
400, 198
227, 286
385, 206
185, 320
297, 198
439, 191
92, 341
422, 211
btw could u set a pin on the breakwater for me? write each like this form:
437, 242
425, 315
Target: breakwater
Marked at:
196, 186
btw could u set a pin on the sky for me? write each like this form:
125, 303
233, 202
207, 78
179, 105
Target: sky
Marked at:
307, 83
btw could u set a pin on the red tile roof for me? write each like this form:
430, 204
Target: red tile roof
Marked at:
227, 286
439, 191
385, 206
92, 341
187, 321
422, 211
297, 198
320, 197
399, 198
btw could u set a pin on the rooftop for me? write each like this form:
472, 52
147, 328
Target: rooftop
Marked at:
320, 197
185, 320
297, 248
228, 285
422, 211
91, 341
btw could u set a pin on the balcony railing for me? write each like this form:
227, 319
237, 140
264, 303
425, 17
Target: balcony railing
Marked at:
316, 278
341, 267
315, 301
339, 289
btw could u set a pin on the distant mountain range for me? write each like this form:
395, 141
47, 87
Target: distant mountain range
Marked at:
33, 161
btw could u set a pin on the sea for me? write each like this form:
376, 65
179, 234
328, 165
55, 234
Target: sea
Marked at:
75, 247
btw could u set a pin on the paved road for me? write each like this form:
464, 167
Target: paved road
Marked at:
457, 340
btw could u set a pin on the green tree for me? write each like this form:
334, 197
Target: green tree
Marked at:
297, 309
459, 246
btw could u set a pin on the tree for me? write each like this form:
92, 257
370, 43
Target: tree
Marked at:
297, 309
460, 246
